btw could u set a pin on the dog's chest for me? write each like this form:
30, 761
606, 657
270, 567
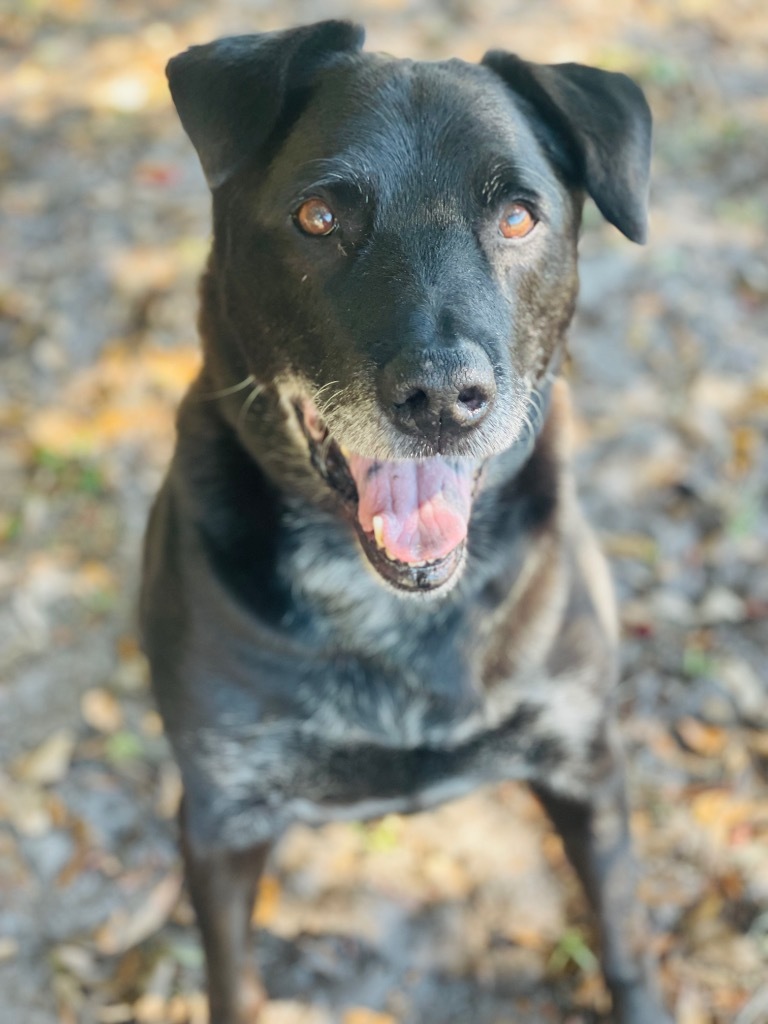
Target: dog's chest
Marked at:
396, 727
372, 704
367, 743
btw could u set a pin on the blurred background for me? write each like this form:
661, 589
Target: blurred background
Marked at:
468, 913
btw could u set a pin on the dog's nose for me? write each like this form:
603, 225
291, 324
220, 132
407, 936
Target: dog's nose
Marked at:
438, 394
450, 404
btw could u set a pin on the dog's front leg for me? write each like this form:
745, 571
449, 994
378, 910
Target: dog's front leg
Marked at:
595, 833
222, 886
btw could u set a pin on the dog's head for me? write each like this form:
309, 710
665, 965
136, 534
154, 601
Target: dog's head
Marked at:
395, 246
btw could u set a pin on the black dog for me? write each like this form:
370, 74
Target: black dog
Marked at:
368, 587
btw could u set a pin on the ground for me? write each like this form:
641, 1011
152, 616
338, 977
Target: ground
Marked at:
468, 913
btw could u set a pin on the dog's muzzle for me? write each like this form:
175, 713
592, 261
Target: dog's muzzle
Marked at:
411, 515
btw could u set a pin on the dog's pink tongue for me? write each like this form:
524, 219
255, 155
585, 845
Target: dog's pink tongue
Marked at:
418, 510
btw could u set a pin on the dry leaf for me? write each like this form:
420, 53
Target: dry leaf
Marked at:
361, 1015
144, 267
745, 441
265, 910
77, 961
169, 791
151, 1008
756, 1010
289, 1012
187, 1009
720, 812
49, 762
81, 835
26, 807
126, 928
446, 878
592, 992
692, 1007
101, 710
151, 724
757, 741
179, 1010
705, 740
118, 1013
636, 546
526, 936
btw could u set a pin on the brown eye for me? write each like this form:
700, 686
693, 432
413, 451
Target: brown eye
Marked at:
315, 218
516, 221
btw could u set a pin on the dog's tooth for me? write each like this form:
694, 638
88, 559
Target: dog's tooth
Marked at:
378, 531
345, 452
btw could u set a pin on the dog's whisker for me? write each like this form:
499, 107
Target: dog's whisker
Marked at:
223, 392
528, 426
326, 406
332, 400
328, 401
325, 387
246, 406
534, 408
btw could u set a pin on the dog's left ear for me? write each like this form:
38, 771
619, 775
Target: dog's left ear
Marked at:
232, 94
605, 123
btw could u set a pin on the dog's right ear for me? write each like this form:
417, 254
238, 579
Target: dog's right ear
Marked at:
230, 93
603, 119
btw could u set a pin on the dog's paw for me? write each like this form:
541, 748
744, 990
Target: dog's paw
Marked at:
638, 1004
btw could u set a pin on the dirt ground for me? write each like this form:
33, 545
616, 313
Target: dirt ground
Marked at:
468, 914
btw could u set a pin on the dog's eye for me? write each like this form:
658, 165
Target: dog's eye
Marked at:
516, 221
314, 217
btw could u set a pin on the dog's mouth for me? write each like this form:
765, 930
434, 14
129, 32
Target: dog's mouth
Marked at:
411, 515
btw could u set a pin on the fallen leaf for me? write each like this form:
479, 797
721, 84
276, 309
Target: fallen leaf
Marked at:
118, 1013
151, 724
81, 835
637, 546
445, 877
169, 790
143, 267
746, 689
101, 710
721, 605
126, 928
699, 738
26, 807
745, 443
156, 173
288, 1012
187, 1009
592, 993
720, 812
756, 1010
265, 909
49, 762
361, 1015
526, 936
757, 741
77, 961
151, 1008
691, 1007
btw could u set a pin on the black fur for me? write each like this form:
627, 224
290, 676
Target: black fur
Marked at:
296, 679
